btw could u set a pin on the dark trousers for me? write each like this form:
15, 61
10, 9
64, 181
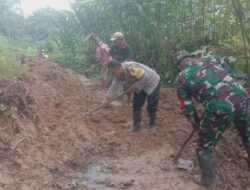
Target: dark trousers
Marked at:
152, 99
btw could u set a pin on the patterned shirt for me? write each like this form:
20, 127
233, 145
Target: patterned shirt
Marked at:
210, 59
209, 84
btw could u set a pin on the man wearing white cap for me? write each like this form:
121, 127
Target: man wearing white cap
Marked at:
120, 51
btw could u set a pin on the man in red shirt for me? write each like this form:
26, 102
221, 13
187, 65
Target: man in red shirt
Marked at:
102, 57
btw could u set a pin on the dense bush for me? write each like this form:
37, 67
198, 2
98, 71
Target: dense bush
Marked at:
154, 29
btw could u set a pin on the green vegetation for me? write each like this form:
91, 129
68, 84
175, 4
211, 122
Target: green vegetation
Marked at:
153, 28
73, 186
11, 55
6, 68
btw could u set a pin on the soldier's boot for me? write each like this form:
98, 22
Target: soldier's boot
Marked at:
207, 171
137, 121
152, 118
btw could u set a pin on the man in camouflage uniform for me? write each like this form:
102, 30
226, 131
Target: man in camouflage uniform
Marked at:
144, 82
224, 100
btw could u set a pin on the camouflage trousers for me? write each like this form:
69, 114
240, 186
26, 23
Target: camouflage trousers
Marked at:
216, 120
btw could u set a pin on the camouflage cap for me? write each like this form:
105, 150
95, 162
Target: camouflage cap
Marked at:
179, 55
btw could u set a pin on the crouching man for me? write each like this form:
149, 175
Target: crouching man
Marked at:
225, 101
143, 82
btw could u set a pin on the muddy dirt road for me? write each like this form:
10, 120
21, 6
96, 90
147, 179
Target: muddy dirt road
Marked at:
46, 143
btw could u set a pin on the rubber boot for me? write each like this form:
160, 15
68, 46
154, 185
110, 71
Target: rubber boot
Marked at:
152, 118
207, 171
137, 121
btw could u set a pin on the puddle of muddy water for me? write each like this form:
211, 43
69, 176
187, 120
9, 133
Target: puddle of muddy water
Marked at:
93, 179
142, 172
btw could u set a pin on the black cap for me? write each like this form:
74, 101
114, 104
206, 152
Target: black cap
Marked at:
114, 63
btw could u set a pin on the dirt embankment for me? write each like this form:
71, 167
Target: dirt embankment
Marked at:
46, 143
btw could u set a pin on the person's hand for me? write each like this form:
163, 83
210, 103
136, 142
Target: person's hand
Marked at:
131, 90
195, 121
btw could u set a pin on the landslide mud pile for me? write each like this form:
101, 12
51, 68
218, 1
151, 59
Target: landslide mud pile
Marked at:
46, 142
42, 128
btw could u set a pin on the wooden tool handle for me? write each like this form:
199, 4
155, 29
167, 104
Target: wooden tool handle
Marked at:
195, 128
101, 106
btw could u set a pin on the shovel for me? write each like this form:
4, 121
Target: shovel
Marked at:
101, 106
182, 163
178, 155
87, 71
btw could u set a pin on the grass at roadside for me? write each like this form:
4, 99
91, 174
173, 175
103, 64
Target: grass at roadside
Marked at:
10, 69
